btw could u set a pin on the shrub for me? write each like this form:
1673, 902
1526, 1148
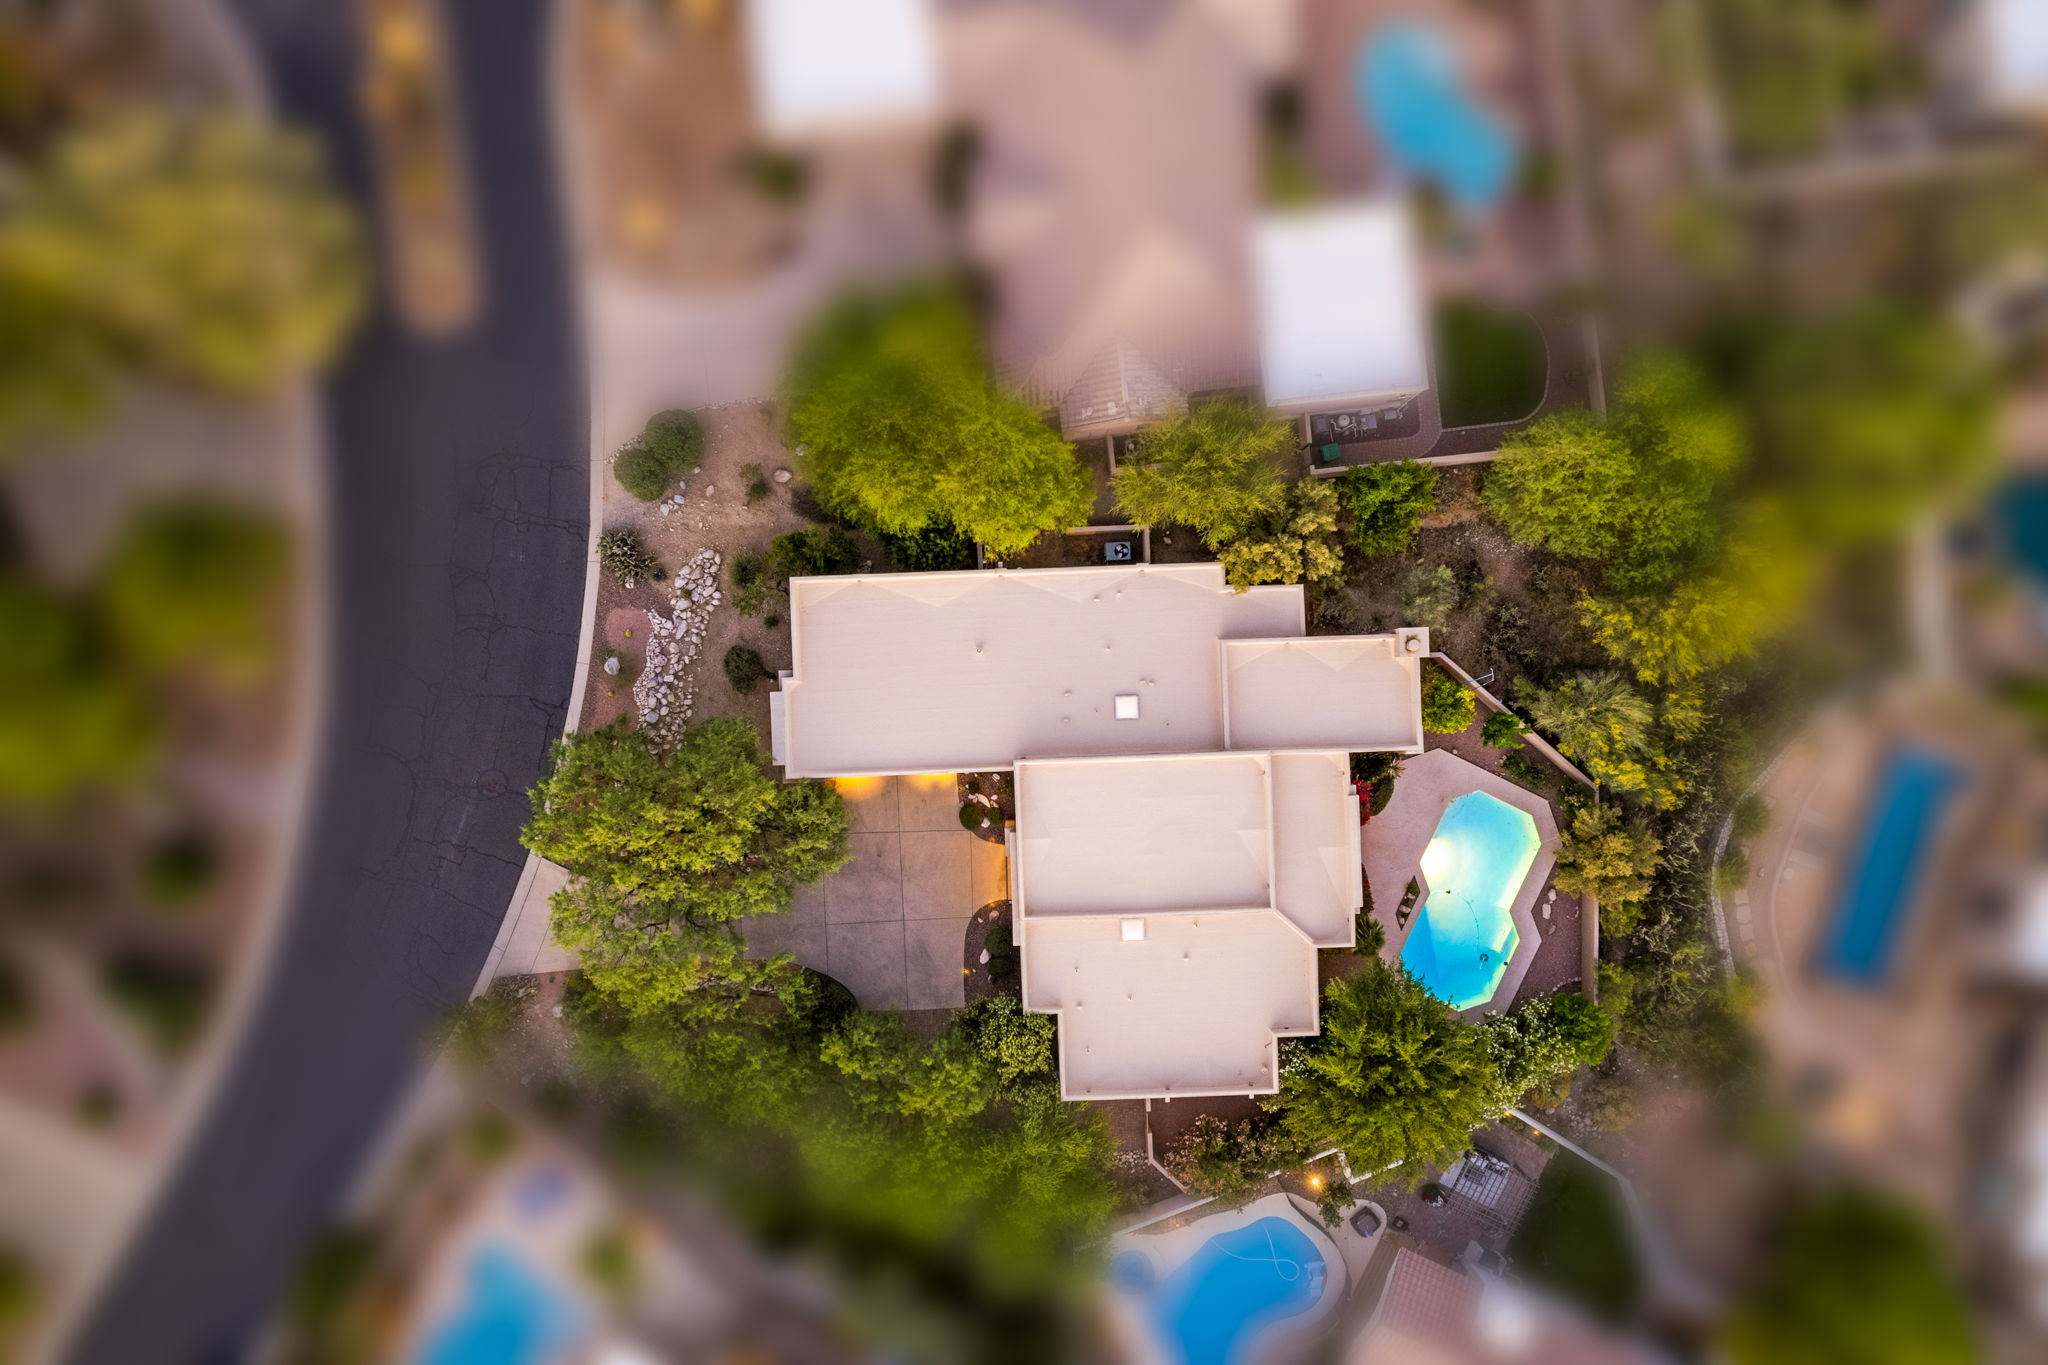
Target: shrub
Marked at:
192, 584
611, 1264
1229, 1161
1377, 772
938, 546
744, 667
750, 583
179, 870
973, 815
1447, 707
1334, 1200
668, 447
812, 552
621, 554
780, 177
1003, 957
1503, 730
166, 1001
1752, 817
757, 481
1733, 873
1387, 502
1430, 594
1531, 773
1605, 855
1018, 1046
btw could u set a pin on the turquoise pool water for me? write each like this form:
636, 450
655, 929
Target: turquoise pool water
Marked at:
1215, 1306
1412, 97
1473, 867
1862, 937
508, 1316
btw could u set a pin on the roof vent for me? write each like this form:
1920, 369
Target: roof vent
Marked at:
1134, 931
1127, 706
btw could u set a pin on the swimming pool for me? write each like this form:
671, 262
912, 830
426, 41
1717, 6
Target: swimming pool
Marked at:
508, 1316
1217, 1304
1412, 96
1862, 936
1464, 934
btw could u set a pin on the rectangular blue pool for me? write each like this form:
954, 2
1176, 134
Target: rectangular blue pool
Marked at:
1861, 939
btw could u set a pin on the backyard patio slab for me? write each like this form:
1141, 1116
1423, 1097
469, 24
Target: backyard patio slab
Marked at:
892, 924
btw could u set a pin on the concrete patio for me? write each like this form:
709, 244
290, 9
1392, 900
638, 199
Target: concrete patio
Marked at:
891, 925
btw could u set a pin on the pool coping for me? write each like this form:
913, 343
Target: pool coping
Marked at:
1168, 1251
1392, 843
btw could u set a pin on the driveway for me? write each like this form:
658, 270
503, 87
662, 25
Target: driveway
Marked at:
892, 924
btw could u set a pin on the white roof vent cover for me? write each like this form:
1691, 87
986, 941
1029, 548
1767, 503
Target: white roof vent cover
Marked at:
1127, 706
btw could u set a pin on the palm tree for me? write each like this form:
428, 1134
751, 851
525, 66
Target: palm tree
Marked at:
1593, 713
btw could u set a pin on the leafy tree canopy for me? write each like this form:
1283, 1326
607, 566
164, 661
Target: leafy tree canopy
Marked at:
1637, 490
1605, 855
1392, 1078
1544, 1041
211, 248
1387, 503
1606, 725
1213, 469
1854, 1277
668, 850
1294, 543
899, 426
192, 585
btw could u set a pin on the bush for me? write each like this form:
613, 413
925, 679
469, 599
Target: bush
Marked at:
621, 554
1503, 730
812, 552
670, 446
611, 1264
1377, 772
973, 815
166, 1001
193, 584
750, 583
1733, 873
1387, 502
1447, 707
744, 667
935, 548
1530, 772
1003, 957
757, 481
1229, 1162
1752, 817
179, 870
1430, 594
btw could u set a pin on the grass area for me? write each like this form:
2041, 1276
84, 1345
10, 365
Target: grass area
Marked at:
1575, 1239
1490, 365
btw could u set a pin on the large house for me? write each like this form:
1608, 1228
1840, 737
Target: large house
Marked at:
1186, 832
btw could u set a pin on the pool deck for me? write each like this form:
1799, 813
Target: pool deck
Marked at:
1392, 844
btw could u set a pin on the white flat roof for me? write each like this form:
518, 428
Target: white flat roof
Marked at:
1194, 1008
970, 671
1293, 694
1318, 878
1123, 836
2015, 49
1340, 306
824, 66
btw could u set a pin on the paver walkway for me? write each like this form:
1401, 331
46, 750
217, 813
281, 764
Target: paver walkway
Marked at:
891, 924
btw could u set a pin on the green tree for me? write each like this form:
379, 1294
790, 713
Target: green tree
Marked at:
1637, 490
1503, 730
1392, 1078
194, 584
1543, 1042
1605, 724
898, 427
68, 718
1387, 503
668, 851
1853, 1277
1214, 470
1430, 594
1607, 856
1447, 706
1231, 1162
209, 248
1295, 543
1873, 417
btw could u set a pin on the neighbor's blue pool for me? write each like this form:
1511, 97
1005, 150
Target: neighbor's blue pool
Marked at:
508, 1316
1474, 864
1413, 98
1862, 936
1216, 1304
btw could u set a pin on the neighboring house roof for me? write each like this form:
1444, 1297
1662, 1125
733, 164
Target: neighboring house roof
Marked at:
1171, 879
2014, 51
1431, 1314
1340, 306
829, 66
1109, 201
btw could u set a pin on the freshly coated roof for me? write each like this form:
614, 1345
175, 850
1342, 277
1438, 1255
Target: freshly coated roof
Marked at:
1340, 306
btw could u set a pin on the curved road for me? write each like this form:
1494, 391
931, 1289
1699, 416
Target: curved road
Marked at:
459, 504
